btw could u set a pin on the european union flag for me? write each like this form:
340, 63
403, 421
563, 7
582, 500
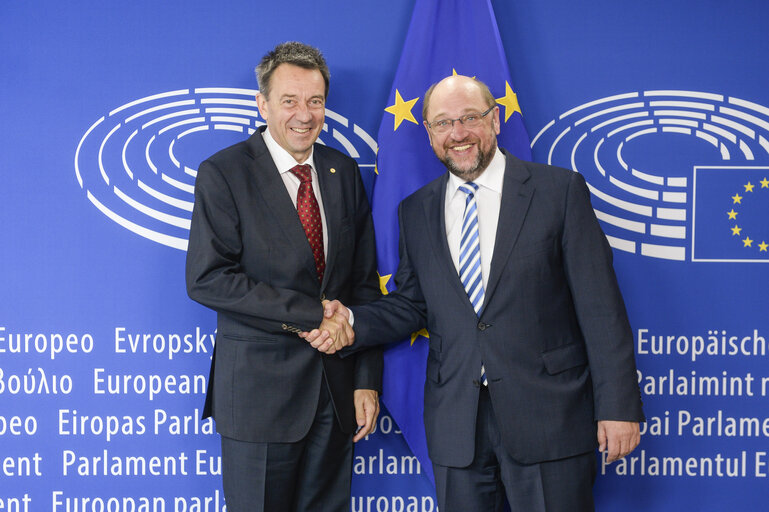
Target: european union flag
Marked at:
731, 208
445, 37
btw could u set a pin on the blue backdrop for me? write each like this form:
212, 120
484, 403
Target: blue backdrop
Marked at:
107, 109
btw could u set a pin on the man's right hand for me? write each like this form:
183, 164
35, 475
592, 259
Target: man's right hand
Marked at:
334, 332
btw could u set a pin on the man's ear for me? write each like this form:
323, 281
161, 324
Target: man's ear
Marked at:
261, 104
427, 129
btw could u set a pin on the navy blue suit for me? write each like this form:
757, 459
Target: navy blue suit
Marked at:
553, 333
249, 260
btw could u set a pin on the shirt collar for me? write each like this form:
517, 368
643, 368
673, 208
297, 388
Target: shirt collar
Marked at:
491, 178
282, 158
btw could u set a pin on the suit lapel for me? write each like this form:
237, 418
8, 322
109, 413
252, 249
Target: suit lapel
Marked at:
516, 198
273, 192
435, 210
333, 207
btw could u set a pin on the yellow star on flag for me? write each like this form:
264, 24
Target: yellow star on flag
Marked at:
383, 282
402, 110
749, 187
747, 242
454, 72
764, 183
736, 230
732, 214
737, 198
509, 101
762, 246
415, 335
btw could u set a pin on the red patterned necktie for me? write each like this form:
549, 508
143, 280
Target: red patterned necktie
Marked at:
309, 215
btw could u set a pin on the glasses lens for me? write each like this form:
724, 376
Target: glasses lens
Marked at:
471, 120
441, 125
468, 120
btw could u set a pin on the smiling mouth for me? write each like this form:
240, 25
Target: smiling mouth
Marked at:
461, 148
300, 131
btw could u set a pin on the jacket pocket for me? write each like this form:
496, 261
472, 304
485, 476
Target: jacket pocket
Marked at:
526, 250
564, 358
251, 339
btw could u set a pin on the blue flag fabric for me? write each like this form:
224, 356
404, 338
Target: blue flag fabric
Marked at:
445, 37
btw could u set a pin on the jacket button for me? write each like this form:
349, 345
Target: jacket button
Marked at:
476, 383
482, 326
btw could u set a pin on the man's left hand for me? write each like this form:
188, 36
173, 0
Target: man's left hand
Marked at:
366, 411
334, 332
618, 438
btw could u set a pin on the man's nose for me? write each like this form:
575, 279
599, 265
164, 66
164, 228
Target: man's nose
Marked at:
458, 130
303, 113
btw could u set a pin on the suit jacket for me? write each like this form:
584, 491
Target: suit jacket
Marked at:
553, 333
250, 261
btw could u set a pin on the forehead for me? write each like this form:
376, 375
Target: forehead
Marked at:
455, 99
293, 80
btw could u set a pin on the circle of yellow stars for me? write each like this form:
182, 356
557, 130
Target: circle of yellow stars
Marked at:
401, 109
736, 229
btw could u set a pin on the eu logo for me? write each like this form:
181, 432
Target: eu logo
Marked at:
731, 214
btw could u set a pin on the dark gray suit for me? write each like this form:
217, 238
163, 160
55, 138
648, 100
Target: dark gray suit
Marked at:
553, 333
250, 261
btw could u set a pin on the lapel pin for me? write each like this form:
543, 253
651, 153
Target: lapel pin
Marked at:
332, 170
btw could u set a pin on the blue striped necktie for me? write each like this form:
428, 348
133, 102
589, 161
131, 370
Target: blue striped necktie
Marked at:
470, 255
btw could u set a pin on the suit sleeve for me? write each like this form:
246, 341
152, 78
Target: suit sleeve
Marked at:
396, 315
214, 275
369, 364
600, 309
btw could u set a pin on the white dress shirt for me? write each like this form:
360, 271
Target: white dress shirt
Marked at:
285, 162
488, 198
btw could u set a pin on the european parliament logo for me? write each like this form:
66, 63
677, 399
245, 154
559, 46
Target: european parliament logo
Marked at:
137, 164
675, 175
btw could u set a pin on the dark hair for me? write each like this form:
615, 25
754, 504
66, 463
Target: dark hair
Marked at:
291, 52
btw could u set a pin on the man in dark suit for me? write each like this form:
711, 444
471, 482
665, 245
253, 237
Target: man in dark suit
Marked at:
531, 361
279, 224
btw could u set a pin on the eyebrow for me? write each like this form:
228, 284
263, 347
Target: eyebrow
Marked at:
288, 95
467, 110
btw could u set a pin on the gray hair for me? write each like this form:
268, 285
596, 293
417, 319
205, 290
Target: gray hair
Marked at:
485, 93
291, 52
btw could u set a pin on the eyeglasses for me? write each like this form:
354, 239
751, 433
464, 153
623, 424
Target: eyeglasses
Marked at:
470, 120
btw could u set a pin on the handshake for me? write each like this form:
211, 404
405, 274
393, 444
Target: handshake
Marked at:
334, 333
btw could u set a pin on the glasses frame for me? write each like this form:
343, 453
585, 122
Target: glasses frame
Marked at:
460, 119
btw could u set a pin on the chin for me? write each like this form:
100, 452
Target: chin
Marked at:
303, 143
466, 172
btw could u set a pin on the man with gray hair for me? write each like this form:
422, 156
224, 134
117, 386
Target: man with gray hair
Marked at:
279, 225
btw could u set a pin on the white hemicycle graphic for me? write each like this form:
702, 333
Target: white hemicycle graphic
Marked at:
644, 201
135, 163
